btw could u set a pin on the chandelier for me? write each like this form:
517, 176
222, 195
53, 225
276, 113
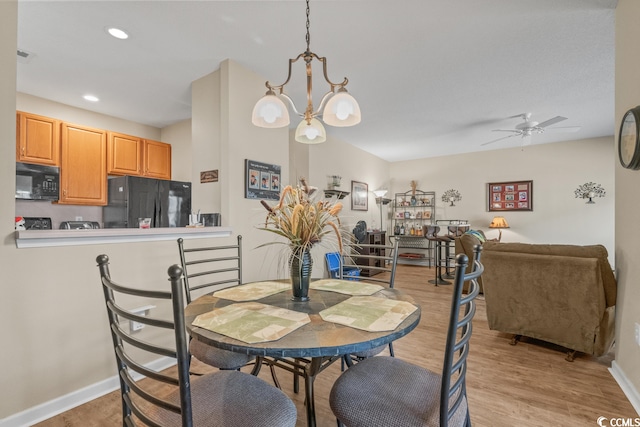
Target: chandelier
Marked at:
337, 107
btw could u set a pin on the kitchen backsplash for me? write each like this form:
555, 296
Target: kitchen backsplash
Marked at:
58, 213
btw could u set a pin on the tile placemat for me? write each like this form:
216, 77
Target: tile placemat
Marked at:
369, 313
349, 287
252, 322
252, 291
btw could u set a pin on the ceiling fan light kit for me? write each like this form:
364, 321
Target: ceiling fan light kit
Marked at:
337, 107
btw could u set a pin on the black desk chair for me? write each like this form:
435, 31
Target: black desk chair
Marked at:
386, 391
220, 399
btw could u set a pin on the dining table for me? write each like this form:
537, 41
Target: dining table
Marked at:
314, 336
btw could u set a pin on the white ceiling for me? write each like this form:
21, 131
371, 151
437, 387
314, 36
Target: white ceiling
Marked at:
432, 77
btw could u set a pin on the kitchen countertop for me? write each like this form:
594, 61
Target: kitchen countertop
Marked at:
45, 238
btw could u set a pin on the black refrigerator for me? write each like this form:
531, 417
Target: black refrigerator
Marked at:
130, 198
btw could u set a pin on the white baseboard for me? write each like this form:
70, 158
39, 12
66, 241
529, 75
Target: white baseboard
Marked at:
627, 387
61, 404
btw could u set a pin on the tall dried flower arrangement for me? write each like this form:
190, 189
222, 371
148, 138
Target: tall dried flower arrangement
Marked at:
302, 220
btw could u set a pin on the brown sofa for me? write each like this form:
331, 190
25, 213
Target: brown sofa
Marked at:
562, 294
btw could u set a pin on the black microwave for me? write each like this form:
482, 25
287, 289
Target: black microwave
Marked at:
37, 182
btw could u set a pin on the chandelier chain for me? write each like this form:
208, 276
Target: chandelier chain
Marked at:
308, 37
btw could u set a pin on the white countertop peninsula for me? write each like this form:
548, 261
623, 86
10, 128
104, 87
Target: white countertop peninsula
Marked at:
46, 238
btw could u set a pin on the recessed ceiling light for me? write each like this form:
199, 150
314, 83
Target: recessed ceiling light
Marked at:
118, 33
91, 98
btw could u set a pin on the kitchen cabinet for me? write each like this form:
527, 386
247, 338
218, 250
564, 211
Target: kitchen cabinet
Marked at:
83, 166
37, 139
124, 154
156, 158
413, 210
131, 155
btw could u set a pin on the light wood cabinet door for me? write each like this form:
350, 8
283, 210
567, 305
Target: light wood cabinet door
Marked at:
156, 159
124, 154
38, 139
83, 166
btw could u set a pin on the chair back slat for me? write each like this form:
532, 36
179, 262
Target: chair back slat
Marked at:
131, 351
463, 309
210, 267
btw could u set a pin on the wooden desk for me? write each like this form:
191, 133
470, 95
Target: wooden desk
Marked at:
322, 342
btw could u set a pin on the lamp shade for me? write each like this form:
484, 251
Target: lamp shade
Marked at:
341, 110
270, 112
499, 222
312, 133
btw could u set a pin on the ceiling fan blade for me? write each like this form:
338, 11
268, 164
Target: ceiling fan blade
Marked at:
564, 129
523, 116
552, 121
506, 130
499, 139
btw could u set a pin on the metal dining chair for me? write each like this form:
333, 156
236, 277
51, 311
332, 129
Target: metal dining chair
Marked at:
211, 268
219, 399
380, 261
387, 391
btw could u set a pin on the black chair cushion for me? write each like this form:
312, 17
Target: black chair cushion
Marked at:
386, 392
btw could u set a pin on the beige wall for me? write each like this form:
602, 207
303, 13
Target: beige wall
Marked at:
556, 170
628, 202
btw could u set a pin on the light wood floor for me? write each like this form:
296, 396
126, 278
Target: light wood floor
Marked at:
527, 385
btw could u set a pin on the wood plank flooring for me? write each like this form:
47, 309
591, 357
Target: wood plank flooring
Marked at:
527, 385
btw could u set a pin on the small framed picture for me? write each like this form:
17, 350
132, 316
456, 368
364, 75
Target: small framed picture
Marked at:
359, 196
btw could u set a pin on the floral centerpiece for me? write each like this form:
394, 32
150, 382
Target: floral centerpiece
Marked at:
303, 222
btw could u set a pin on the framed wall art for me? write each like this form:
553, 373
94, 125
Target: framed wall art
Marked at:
510, 196
359, 196
262, 180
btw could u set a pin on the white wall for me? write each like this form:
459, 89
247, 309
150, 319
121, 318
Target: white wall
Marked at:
627, 203
556, 170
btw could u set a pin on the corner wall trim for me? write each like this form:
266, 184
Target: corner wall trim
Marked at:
627, 387
61, 404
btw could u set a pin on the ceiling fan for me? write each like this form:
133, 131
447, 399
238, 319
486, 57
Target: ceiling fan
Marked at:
529, 127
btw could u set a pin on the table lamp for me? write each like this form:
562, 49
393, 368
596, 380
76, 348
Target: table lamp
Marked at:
499, 222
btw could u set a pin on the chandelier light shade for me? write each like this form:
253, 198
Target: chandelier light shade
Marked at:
337, 107
590, 190
311, 133
270, 112
451, 196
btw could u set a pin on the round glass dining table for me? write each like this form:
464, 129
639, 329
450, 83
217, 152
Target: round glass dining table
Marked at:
308, 350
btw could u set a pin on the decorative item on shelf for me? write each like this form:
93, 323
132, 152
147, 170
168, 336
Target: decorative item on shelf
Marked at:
499, 222
451, 196
303, 221
589, 191
334, 181
341, 108
413, 199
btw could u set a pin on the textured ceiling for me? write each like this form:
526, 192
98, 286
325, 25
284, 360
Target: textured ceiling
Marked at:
432, 77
